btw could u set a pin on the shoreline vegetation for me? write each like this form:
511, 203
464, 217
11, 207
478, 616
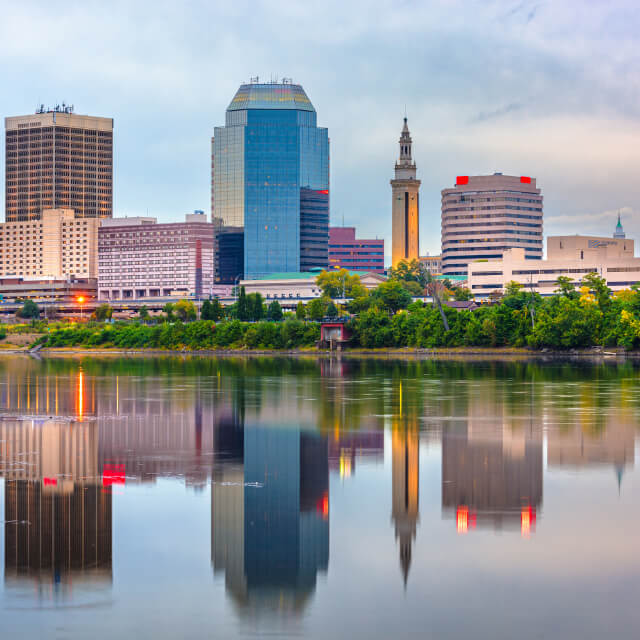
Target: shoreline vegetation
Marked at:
590, 320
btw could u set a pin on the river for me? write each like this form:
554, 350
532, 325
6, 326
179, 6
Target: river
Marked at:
191, 497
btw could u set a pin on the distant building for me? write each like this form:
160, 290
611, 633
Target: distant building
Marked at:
484, 216
271, 182
405, 210
56, 245
48, 289
619, 232
355, 254
569, 256
58, 159
300, 285
139, 258
433, 264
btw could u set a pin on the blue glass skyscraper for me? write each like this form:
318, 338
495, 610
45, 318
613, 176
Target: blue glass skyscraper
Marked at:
271, 181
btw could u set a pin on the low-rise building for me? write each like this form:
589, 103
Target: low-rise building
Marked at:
433, 264
139, 258
355, 254
570, 256
48, 290
58, 246
299, 285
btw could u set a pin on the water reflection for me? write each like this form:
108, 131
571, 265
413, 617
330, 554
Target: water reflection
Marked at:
57, 512
279, 443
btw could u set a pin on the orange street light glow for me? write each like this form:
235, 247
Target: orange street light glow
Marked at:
80, 299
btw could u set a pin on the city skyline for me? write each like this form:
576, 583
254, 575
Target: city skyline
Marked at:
532, 112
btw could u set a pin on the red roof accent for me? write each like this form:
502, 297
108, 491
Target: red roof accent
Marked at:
462, 180
525, 179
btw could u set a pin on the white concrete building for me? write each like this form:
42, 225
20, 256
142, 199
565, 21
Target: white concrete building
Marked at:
569, 256
299, 286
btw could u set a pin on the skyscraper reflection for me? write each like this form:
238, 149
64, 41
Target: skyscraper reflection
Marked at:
270, 511
492, 470
57, 512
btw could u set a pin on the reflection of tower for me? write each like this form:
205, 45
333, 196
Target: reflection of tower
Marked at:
405, 475
270, 527
492, 476
51, 533
57, 514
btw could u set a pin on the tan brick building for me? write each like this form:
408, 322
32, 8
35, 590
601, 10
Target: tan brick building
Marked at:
58, 159
57, 245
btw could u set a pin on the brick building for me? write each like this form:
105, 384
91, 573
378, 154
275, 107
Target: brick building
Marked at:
355, 254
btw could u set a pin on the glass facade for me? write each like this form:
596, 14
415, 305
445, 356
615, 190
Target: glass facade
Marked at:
267, 158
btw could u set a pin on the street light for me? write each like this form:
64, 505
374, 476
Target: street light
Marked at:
80, 301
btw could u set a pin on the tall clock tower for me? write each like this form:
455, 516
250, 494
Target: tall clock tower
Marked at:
405, 209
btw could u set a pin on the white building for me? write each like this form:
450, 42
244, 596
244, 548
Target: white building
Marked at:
569, 256
299, 286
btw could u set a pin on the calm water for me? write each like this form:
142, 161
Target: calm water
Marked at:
188, 498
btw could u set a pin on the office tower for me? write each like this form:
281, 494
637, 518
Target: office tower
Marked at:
482, 216
355, 254
139, 258
405, 208
271, 181
54, 245
58, 159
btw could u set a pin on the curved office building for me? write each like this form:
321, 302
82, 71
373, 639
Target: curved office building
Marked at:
270, 182
483, 216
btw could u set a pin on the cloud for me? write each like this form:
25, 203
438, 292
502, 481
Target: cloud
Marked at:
554, 87
497, 113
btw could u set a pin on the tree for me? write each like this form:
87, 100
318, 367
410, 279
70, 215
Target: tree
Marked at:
103, 312
315, 309
29, 310
392, 296
216, 311
301, 312
185, 310
338, 284
413, 287
242, 309
566, 288
168, 309
462, 294
332, 310
408, 271
599, 288
205, 310
255, 306
143, 313
274, 312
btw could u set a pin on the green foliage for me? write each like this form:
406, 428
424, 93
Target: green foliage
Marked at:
103, 312
462, 294
316, 308
301, 312
143, 313
274, 312
409, 271
29, 310
339, 284
3, 333
391, 296
185, 310
255, 306
242, 306
332, 310
169, 312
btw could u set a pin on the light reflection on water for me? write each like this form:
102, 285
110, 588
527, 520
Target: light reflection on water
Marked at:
181, 497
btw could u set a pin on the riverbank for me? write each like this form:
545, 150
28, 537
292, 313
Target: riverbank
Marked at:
440, 353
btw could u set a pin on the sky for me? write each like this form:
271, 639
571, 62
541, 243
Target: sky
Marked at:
547, 89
